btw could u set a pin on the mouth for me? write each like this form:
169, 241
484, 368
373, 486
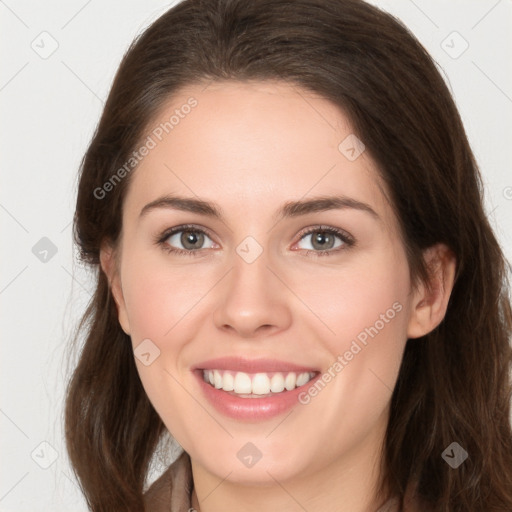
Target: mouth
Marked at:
256, 385
253, 390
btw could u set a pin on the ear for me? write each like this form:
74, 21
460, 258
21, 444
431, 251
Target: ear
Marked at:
109, 266
429, 306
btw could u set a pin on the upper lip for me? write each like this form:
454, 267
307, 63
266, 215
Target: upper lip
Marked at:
252, 365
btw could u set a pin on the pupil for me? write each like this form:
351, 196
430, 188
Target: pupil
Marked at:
323, 239
190, 238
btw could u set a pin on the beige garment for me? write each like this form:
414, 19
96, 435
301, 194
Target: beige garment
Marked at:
171, 492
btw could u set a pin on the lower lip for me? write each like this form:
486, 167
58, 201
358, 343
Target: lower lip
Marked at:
251, 409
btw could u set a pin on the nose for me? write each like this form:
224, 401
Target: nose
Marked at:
253, 299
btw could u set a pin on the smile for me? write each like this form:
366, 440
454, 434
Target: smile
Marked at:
255, 385
229, 383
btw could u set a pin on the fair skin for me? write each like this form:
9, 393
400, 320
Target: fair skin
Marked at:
249, 148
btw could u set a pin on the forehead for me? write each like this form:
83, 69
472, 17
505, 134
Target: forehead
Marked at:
252, 145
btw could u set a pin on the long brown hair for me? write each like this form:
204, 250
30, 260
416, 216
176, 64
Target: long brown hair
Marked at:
454, 384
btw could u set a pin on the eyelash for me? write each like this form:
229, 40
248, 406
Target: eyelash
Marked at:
347, 240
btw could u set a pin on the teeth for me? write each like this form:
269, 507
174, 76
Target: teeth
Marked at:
217, 379
261, 384
290, 381
228, 382
277, 383
242, 383
302, 379
256, 384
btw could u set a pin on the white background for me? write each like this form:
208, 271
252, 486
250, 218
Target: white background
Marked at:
49, 109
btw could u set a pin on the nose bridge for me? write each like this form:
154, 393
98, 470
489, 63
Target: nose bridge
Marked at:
252, 296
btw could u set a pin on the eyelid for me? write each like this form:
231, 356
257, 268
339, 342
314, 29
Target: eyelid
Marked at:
344, 235
183, 227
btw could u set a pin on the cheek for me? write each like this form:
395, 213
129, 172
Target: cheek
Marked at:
162, 304
367, 312
354, 301
159, 296
364, 310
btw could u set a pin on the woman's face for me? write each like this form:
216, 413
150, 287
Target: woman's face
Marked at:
251, 293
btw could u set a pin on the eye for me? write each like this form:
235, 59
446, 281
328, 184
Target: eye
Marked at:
323, 240
190, 238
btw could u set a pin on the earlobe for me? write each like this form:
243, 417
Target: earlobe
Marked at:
109, 267
429, 304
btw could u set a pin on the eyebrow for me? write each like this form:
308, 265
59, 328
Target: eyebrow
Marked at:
289, 209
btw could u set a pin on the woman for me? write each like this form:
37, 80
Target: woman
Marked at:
296, 276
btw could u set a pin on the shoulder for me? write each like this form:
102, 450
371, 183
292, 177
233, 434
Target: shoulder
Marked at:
171, 491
